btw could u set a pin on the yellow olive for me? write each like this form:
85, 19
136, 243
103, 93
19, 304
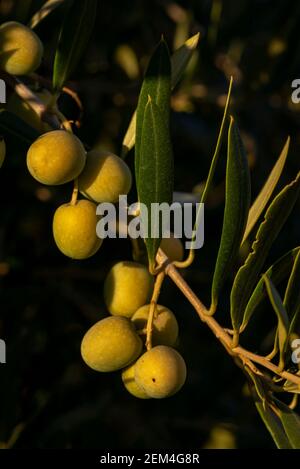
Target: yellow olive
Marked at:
20, 49
111, 344
74, 229
130, 383
105, 177
127, 286
172, 248
160, 372
56, 157
165, 326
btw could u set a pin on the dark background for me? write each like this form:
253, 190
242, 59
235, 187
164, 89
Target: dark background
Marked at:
48, 397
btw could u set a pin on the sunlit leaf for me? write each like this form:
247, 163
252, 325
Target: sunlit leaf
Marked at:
267, 414
292, 294
273, 425
248, 274
277, 272
155, 173
74, 35
236, 211
265, 194
181, 57
179, 62
291, 423
212, 169
44, 11
157, 84
283, 320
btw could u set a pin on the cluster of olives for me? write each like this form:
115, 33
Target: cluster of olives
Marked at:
58, 157
115, 343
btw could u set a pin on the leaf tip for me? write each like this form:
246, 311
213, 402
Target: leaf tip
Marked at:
193, 41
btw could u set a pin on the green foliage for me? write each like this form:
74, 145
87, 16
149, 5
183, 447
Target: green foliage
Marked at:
290, 422
265, 194
179, 62
276, 273
155, 171
292, 294
157, 85
247, 276
236, 210
74, 35
283, 320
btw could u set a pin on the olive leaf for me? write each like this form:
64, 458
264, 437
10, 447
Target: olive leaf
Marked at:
266, 192
292, 293
277, 272
157, 84
155, 174
179, 62
267, 414
282, 316
247, 276
74, 35
290, 422
44, 11
237, 202
213, 165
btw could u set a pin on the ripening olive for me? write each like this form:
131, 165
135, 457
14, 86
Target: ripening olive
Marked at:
165, 326
130, 383
105, 177
160, 372
111, 344
74, 229
20, 49
127, 286
56, 157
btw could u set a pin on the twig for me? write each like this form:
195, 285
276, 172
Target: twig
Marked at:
33, 101
74, 193
156, 291
245, 356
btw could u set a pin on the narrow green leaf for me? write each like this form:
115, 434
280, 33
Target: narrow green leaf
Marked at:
13, 125
181, 57
44, 11
215, 157
277, 272
155, 173
282, 316
236, 210
179, 62
291, 423
268, 416
292, 294
74, 35
268, 230
212, 169
273, 425
157, 84
265, 194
